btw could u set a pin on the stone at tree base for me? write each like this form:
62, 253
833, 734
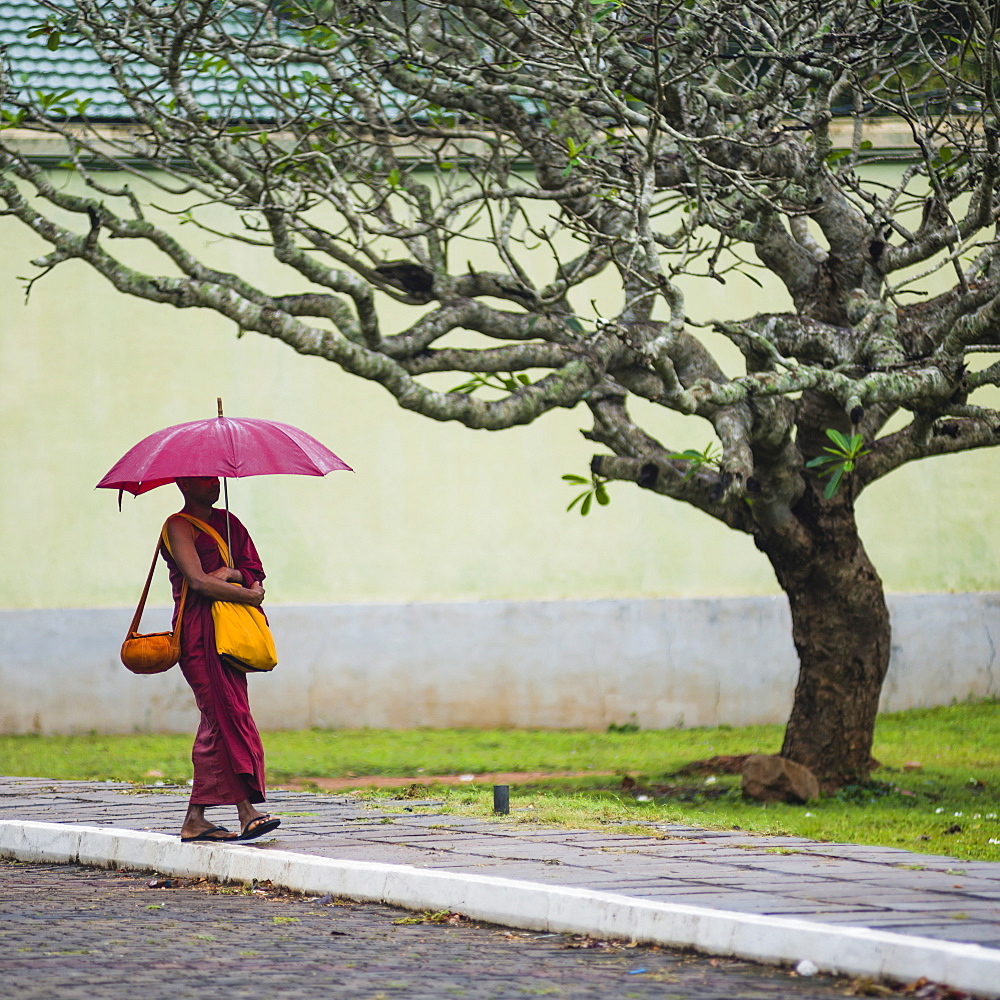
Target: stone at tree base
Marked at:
776, 779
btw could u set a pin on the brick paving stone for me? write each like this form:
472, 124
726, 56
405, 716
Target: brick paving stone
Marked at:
842, 884
689, 893
455, 860
873, 917
482, 868
956, 932
624, 884
743, 904
73, 933
830, 867
842, 890
919, 902
891, 883
747, 881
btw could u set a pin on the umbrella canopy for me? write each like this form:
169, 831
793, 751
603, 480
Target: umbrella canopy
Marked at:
224, 447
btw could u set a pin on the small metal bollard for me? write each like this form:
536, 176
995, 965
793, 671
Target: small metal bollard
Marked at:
501, 799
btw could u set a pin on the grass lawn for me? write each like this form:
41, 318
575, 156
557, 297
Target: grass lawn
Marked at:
949, 804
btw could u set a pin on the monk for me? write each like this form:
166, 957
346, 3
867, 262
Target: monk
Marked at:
228, 756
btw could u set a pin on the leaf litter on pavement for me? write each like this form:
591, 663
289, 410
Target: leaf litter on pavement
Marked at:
267, 891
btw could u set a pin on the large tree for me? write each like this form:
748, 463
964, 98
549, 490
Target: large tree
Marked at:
649, 142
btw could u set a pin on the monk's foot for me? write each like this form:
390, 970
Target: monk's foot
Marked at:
259, 825
206, 832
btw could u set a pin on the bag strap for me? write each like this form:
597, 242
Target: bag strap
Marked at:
137, 617
208, 530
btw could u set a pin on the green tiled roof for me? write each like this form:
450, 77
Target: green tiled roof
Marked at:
73, 66
76, 67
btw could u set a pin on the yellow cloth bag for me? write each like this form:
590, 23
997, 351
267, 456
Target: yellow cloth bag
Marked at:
242, 636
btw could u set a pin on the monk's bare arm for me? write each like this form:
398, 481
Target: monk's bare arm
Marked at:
228, 575
181, 536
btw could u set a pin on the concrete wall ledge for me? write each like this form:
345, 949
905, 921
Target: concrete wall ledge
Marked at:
551, 664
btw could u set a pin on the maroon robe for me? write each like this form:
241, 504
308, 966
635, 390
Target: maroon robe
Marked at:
228, 756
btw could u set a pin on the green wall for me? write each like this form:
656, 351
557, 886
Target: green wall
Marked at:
433, 512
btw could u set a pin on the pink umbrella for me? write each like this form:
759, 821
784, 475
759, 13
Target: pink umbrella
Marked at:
221, 447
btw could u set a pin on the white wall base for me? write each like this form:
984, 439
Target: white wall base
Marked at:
552, 664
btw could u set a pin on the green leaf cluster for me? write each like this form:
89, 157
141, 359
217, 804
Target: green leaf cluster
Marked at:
479, 380
54, 101
602, 8
51, 29
596, 490
12, 119
574, 151
839, 460
711, 458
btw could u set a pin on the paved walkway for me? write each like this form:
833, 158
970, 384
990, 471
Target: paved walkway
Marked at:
80, 934
863, 887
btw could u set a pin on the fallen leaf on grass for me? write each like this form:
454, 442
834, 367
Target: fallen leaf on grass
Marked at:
722, 765
414, 791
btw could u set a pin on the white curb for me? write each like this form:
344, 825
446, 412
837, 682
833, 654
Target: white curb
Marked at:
531, 905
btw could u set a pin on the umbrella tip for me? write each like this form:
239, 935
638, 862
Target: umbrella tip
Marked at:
218, 402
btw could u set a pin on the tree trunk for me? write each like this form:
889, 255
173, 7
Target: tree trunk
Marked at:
840, 626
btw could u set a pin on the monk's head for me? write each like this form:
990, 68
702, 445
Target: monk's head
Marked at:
202, 490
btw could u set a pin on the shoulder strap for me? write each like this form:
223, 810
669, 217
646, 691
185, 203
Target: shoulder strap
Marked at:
137, 617
207, 529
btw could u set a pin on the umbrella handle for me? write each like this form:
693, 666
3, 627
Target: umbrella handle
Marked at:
225, 488
225, 491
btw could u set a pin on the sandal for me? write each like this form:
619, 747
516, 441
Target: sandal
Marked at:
258, 826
